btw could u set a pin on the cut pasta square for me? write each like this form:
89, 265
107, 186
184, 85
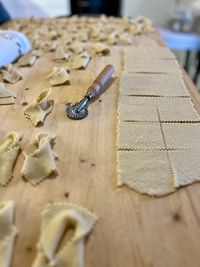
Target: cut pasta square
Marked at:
137, 109
148, 53
152, 84
140, 136
182, 135
145, 171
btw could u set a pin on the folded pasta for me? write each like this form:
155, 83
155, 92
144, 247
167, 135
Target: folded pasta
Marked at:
40, 159
8, 233
10, 74
57, 218
9, 150
37, 111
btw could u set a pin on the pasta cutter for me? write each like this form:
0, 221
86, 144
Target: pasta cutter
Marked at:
79, 110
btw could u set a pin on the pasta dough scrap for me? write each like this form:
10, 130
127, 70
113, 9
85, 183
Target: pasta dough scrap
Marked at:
8, 233
80, 61
57, 218
102, 49
37, 111
10, 74
146, 171
59, 76
29, 59
60, 54
9, 150
40, 159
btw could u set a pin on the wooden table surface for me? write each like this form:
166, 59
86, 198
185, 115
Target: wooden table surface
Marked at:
133, 230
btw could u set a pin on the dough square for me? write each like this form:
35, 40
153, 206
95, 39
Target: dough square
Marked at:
7, 101
182, 135
177, 109
137, 109
140, 136
185, 166
150, 53
152, 84
146, 65
145, 171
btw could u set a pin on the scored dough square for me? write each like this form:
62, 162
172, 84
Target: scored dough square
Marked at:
151, 66
177, 109
152, 84
185, 166
182, 135
150, 53
140, 135
145, 171
137, 108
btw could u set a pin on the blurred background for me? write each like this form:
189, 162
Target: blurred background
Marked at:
158, 10
178, 21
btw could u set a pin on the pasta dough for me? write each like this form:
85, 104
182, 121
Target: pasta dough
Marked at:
158, 126
125, 39
77, 47
9, 150
8, 233
151, 66
146, 171
29, 59
39, 161
56, 219
146, 109
150, 53
140, 136
59, 76
60, 54
11, 74
185, 166
4, 92
142, 84
181, 135
80, 61
6, 97
37, 111
102, 49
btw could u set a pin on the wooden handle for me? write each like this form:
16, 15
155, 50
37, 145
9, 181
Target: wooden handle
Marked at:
101, 81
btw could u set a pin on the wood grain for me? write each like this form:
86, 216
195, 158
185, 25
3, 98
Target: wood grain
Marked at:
133, 229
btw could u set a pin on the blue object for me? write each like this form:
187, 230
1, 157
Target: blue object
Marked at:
4, 16
180, 40
12, 46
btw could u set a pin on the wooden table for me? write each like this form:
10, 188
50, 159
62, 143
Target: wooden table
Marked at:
133, 230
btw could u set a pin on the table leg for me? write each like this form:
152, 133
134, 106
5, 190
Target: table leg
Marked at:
197, 68
186, 67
